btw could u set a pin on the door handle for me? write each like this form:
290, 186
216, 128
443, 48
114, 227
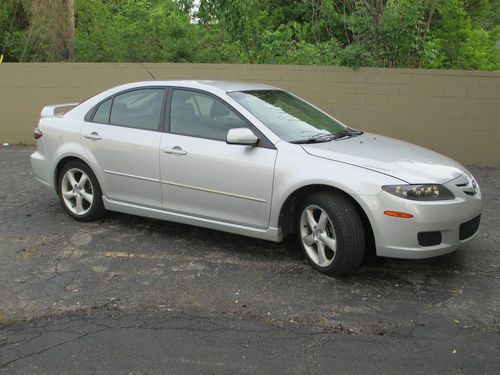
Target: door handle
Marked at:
94, 136
175, 151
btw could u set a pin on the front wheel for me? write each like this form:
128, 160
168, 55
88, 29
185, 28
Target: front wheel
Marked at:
331, 233
79, 192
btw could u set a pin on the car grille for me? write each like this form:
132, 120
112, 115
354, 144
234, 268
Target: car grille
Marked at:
429, 238
466, 184
469, 228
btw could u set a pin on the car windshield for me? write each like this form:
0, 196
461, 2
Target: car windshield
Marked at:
289, 117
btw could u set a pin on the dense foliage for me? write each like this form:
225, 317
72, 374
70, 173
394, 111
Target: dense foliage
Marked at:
456, 34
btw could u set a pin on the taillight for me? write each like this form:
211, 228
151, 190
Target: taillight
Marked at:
37, 133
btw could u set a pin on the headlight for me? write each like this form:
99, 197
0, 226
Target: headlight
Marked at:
427, 192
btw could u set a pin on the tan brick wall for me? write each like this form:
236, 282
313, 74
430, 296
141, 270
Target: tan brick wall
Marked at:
456, 113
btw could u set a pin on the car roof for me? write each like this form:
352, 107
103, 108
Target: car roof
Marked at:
226, 86
237, 86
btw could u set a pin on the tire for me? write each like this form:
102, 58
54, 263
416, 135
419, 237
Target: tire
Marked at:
330, 221
79, 192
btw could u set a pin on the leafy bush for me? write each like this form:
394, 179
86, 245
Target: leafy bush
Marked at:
449, 34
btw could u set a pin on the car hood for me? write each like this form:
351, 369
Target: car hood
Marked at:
405, 161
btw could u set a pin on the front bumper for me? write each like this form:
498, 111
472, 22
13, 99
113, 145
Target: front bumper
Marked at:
398, 238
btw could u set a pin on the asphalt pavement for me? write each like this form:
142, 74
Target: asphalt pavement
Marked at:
133, 295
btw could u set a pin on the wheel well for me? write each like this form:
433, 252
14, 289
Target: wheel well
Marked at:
60, 166
288, 213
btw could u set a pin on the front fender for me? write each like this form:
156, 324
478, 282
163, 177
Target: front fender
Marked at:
296, 170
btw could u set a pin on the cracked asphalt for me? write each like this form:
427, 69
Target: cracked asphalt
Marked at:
133, 295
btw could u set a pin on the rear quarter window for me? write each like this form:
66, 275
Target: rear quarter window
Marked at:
102, 113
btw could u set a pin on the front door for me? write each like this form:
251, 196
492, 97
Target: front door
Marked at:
202, 175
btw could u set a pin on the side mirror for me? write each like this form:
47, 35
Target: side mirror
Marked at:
241, 136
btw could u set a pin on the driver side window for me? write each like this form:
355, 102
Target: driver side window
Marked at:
199, 115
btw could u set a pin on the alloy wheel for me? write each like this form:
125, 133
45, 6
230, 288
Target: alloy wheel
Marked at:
318, 235
77, 191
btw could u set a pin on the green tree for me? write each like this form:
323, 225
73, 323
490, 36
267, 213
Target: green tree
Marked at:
243, 20
134, 30
457, 43
34, 30
451, 34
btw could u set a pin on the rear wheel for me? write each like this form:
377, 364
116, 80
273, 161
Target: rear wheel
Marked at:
79, 192
331, 233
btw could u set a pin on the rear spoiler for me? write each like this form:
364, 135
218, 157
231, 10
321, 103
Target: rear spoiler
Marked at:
50, 110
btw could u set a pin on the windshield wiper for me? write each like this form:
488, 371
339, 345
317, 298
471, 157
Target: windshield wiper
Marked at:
347, 133
316, 138
327, 137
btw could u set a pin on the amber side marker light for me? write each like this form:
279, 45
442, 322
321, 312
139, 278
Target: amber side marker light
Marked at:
400, 215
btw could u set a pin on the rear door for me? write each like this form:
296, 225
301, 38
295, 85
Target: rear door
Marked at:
202, 175
122, 139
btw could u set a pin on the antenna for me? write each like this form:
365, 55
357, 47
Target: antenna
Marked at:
147, 70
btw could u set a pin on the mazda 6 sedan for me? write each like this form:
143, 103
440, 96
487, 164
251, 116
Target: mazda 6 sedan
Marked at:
254, 160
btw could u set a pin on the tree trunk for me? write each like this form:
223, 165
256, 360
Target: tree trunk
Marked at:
375, 38
431, 13
71, 29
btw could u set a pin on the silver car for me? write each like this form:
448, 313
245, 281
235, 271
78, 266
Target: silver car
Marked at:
254, 160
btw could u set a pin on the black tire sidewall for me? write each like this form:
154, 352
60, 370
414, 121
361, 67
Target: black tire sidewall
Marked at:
348, 254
